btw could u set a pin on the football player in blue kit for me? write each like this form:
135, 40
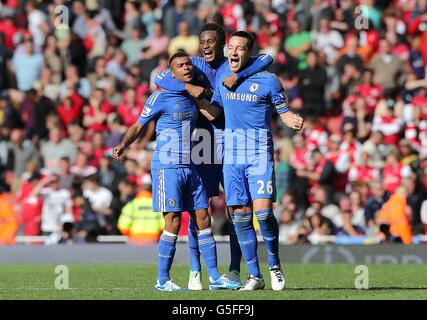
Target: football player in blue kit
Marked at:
208, 69
248, 168
176, 185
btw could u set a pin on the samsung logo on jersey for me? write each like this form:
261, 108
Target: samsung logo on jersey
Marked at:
248, 97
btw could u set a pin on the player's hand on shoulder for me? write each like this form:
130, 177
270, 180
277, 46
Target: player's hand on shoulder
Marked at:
118, 152
195, 91
231, 81
293, 120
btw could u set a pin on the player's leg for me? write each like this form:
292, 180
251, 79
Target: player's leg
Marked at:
238, 199
197, 200
243, 223
193, 246
269, 228
212, 177
235, 251
263, 192
207, 174
167, 248
167, 199
206, 241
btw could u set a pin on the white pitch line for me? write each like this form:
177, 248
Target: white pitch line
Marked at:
45, 289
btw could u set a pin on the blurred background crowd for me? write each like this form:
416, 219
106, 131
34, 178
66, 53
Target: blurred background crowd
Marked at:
73, 78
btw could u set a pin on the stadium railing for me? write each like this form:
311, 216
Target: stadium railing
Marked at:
314, 239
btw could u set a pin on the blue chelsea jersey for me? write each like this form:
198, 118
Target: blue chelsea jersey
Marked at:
210, 76
176, 115
248, 111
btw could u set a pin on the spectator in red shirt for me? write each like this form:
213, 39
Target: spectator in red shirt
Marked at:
394, 171
8, 28
31, 207
71, 108
316, 135
388, 123
349, 144
99, 148
300, 155
362, 171
129, 109
419, 102
418, 25
233, 15
369, 90
81, 168
321, 171
341, 161
96, 113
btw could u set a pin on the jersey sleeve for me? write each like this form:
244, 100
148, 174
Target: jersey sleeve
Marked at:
256, 64
165, 80
152, 108
216, 100
278, 96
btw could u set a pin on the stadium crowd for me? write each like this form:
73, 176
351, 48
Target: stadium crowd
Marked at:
356, 70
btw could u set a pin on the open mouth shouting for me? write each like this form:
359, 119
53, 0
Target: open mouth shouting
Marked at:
208, 54
234, 63
188, 75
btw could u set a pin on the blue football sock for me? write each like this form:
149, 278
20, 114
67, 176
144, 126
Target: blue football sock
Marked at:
270, 233
235, 251
248, 242
193, 246
207, 247
166, 252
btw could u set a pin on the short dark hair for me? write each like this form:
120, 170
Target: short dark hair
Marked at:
316, 150
220, 33
246, 35
94, 178
371, 71
178, 54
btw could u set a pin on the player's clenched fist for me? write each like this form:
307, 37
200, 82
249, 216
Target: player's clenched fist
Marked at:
118, 152
293, 120
194, 91
230, 82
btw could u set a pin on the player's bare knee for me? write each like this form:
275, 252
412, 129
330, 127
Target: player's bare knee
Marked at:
172, 222
262, 204
203, 219
241, 209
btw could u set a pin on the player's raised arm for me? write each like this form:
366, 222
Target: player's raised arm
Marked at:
280, 101
130, 136
152, 108
165, 80
211, 109
208, 110
292, 120
255, 65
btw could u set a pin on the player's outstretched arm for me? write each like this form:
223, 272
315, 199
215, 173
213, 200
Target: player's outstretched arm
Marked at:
209, 111
255, 65
165, 80
292, 120
130, 136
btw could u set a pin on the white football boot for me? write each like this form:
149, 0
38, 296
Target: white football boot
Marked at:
253, 283
278, 281
195, 281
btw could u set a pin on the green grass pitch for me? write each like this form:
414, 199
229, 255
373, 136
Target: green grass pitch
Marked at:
133, 281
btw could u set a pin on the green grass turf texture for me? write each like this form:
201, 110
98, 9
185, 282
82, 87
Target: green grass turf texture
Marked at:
135, 281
